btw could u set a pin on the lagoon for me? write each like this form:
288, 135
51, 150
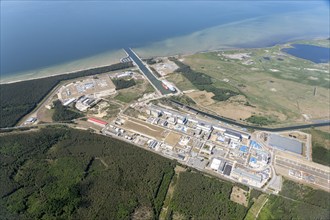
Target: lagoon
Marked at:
312, 53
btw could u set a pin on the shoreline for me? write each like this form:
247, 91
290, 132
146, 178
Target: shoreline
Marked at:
147, 57
52, 75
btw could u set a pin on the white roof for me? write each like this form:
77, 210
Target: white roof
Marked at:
215, 164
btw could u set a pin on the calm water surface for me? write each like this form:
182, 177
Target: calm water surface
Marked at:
309, 52
43, 34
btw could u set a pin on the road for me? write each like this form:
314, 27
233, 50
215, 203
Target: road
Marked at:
150, 76
233, 122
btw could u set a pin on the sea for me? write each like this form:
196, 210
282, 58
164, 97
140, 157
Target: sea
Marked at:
42, 38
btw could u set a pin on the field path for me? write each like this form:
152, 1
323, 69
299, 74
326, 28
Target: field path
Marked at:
261, 208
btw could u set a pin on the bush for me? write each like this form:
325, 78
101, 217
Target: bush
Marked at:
259, 120
123, 83
64, 113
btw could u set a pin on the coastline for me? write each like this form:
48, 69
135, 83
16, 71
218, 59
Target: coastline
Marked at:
96, 61
114, 57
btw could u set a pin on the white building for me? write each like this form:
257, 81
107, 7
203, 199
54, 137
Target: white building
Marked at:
204, 127
218, 128
233, 135
215, 164
182, 120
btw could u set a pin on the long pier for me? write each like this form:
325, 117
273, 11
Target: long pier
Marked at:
157, 84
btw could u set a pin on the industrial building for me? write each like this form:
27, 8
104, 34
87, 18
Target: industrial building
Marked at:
246, 177
97, 122
96, 86
215, 164
285, 143
124, 74
233, 135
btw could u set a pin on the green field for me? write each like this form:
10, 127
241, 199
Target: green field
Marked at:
321, 146
297, 202
135, 92
127, 96
275, 85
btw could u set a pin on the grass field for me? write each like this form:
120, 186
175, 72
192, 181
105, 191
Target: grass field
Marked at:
257, 205
135, 92
297, 202
321, 146
274, 84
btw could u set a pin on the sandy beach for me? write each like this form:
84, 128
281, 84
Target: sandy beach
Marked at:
100, 60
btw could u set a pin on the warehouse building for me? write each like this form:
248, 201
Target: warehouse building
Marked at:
285, 143
246, 177
215, 164
97, 122
233, 135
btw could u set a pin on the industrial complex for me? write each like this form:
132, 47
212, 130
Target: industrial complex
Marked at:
253, 158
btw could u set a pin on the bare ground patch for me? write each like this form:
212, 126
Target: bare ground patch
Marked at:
142, 213
238, 195
202, 97
173, 138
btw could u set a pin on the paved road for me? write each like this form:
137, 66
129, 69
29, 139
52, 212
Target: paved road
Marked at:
157, 84
233, 122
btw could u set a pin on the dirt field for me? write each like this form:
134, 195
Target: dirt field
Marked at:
238, 195
172, 138
144, 128
142, 213
45, 115
232, 108
202, 97
165, 67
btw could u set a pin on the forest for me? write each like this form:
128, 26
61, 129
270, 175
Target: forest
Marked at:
61, 173
203, 82
64, 113
297, 201
18, 99
321, 146
197, 196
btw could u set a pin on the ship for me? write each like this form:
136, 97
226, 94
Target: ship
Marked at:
168, 86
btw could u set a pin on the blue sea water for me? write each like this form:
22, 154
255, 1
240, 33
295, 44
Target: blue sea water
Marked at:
38, 34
